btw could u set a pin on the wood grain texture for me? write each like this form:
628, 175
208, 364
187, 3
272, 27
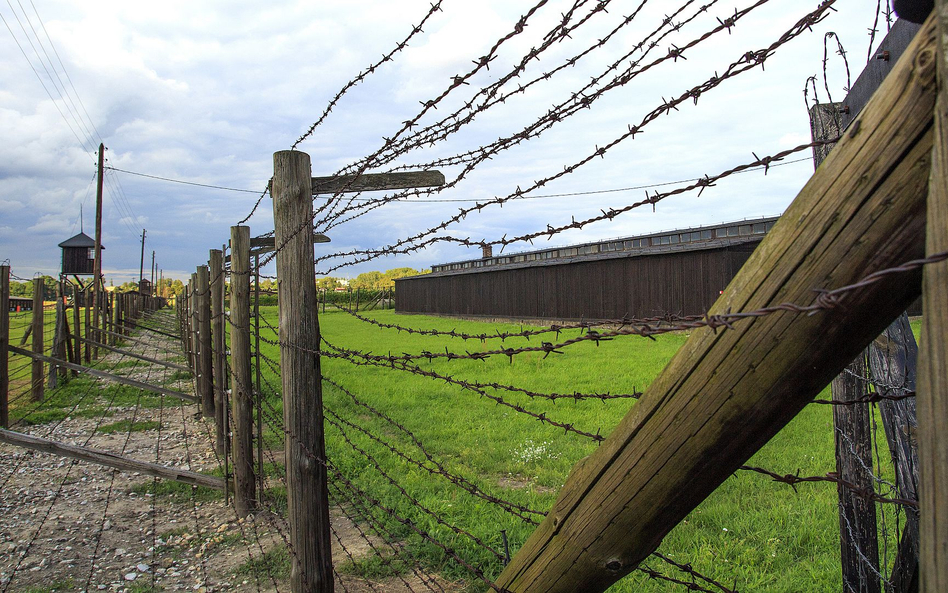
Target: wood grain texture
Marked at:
376, 182
933, 350
110, 459
306, 481
725, 394
241, 380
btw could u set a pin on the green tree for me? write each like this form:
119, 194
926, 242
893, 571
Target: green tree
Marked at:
369, 280
328, 283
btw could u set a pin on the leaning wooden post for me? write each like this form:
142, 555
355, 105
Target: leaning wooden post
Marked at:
307, 491
725, 394
241, 380
218, 344
933, 351
206, 359
38, 381
4, 342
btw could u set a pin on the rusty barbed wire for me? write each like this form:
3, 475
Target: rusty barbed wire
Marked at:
439, 469
550, 231
793, 479
435, 8
453, 122
581, 100
689, 569
748, 61
456, 82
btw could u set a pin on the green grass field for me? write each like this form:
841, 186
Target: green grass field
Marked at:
752, 533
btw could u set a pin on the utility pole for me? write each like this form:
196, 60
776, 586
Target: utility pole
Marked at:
97, 264
141, 268
152, 273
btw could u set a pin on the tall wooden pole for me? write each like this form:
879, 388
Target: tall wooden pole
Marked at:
933, 351
4, 342
97, 263
141, 265
241, 380
37, 379
307, 491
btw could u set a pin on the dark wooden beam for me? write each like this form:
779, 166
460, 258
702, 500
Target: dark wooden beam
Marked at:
104, 375
109, 459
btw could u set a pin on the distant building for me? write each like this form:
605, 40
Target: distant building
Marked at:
673, 272
78, 257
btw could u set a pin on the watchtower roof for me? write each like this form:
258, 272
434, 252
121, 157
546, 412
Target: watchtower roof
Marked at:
80, 240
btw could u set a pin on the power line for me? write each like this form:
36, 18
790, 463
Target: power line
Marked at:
168, 179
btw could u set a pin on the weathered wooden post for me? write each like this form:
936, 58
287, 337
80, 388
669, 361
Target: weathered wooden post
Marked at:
852, 432
218, 345
241, 380
38, 381
205, 360
4, 342
893, 360
933, 351
87, 301
76, 326
858, 532
193, 333
307, 487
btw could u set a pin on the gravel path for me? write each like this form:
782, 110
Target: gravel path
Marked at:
75, 526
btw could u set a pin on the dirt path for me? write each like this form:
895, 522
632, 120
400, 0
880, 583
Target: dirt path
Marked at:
74, 526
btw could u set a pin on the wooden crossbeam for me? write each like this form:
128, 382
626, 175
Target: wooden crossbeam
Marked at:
104, 375
110, 459
163, 363
377, 182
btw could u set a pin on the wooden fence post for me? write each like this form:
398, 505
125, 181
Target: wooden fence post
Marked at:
852, 433
241, 380
893, 360
76, 326
307, 489
205, 355
38, 380
87, 301
192, 333
933, 352
859, 549
218, 345
4, 342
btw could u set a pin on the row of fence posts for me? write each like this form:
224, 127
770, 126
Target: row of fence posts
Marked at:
104, 325
229, 387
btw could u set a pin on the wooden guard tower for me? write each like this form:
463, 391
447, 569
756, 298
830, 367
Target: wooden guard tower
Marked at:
78, 255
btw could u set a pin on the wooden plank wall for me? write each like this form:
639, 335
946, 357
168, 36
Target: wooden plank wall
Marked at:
684, 283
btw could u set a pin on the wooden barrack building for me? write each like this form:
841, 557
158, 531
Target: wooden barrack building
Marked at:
673, 272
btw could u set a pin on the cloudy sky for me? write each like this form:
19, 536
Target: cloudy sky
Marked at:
205, 92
